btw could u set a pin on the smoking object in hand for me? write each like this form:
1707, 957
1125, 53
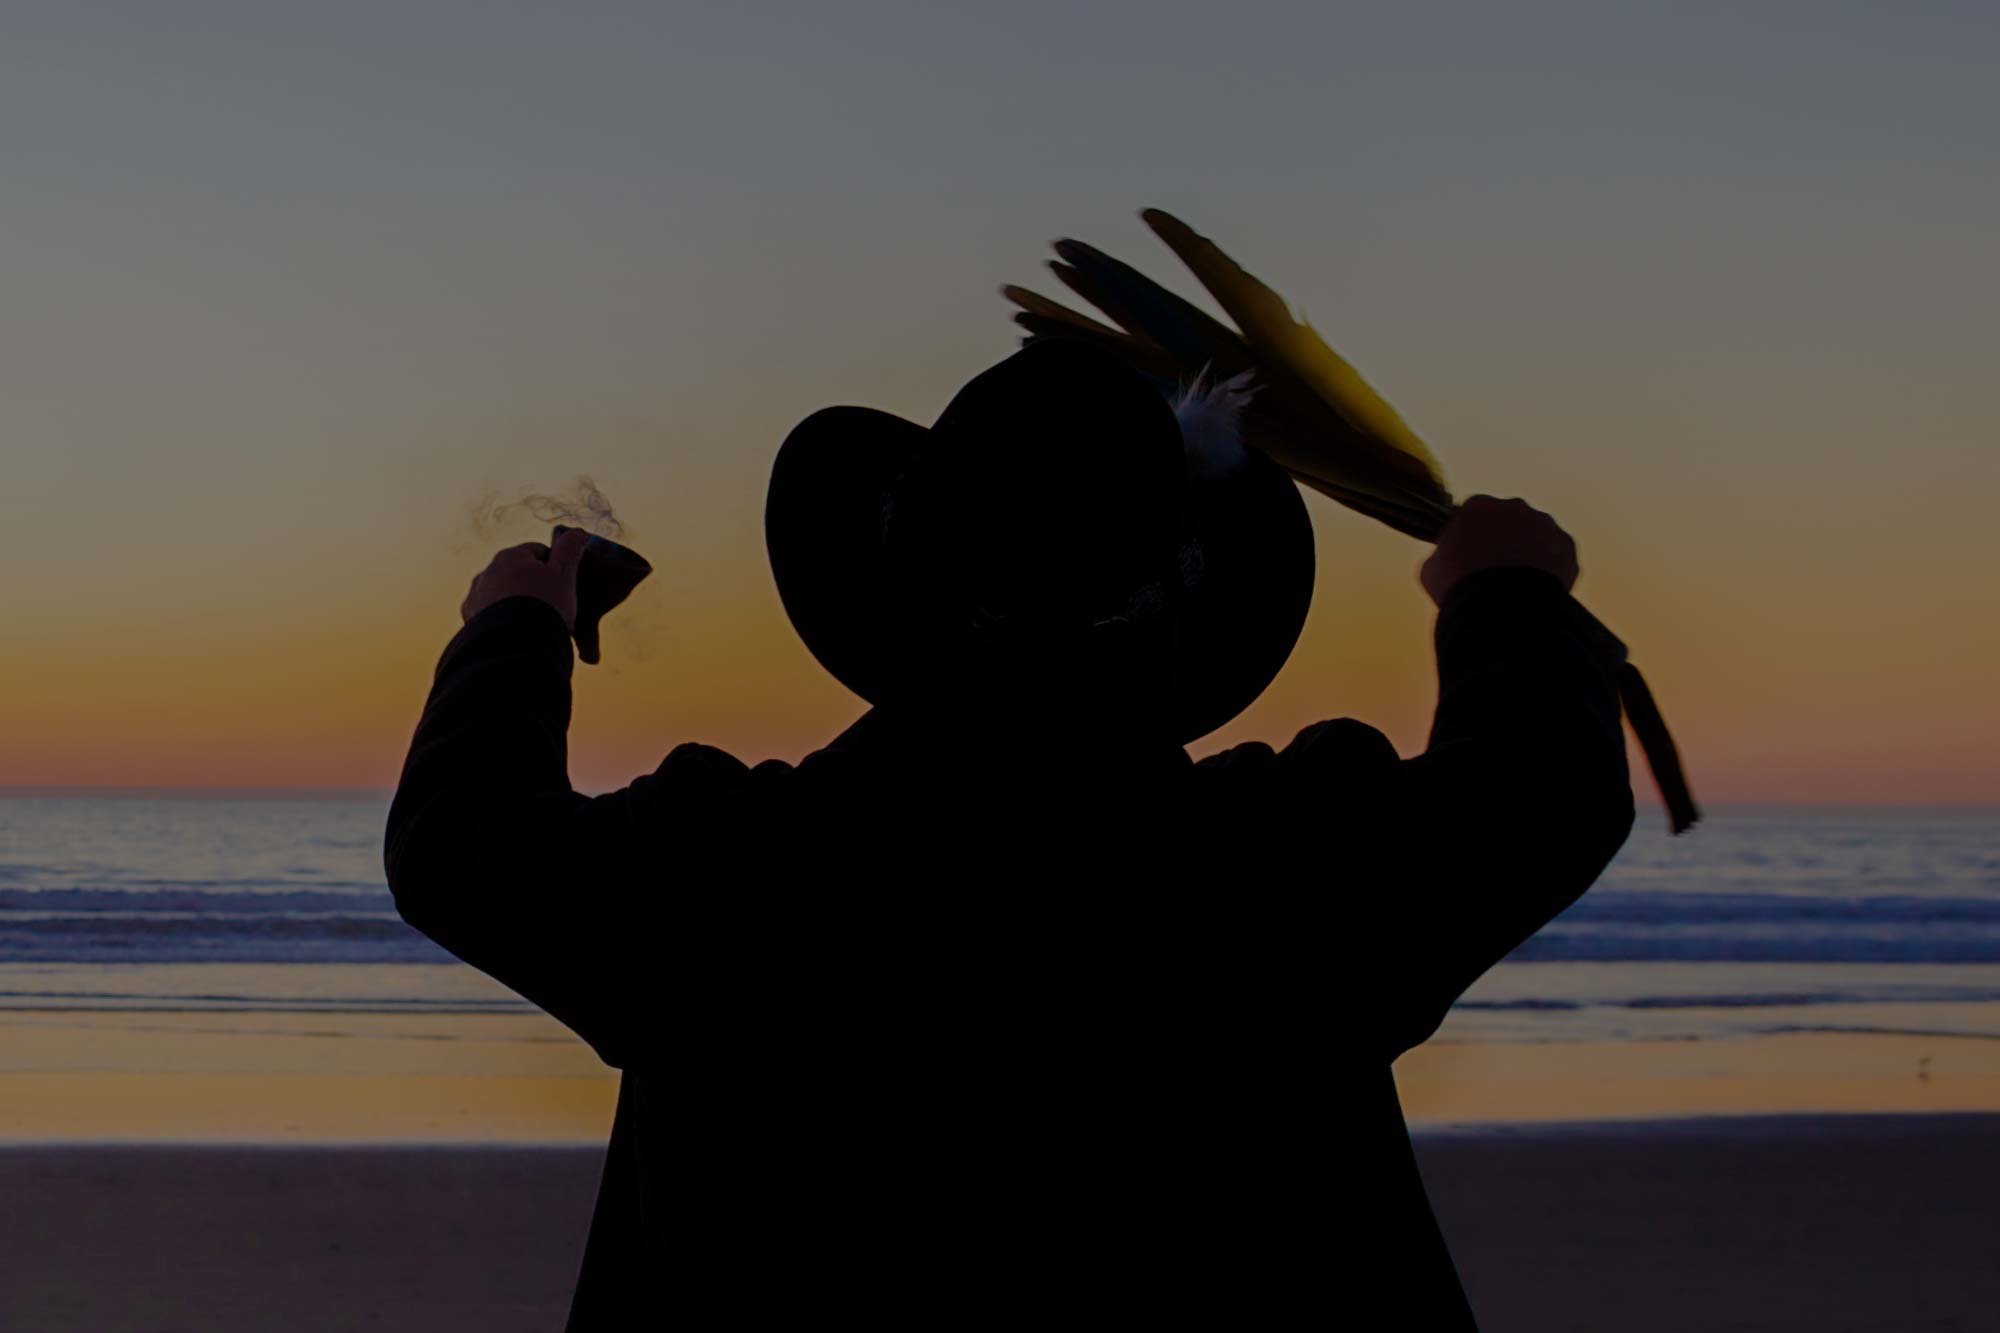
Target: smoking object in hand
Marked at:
604, 577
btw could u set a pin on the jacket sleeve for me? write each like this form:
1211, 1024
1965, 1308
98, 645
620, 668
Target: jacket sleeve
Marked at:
492, 854
1517, 804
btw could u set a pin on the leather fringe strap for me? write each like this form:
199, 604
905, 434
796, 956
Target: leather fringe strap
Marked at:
1661, 755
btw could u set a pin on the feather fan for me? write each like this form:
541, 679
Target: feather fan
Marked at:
1296, 399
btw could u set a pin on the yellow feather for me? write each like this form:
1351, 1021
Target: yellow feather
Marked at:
1037, 304
1267, 325
1318, 419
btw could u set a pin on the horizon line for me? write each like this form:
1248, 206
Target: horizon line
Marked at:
197, 792
111, 791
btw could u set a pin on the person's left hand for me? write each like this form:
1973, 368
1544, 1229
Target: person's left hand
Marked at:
531, 570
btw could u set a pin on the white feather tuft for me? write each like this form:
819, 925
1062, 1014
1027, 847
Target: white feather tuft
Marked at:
1209, 412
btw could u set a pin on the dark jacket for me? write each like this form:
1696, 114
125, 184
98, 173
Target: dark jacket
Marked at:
958, 1024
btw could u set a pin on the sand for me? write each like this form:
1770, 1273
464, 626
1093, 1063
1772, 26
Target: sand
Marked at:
1808, 1073
1823, 1224
1882, 1223
490, 1078
303, 1240
299, 1078
1585, 1186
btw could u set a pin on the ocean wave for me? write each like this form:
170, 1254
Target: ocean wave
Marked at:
1763, 1000
1876, 1030
168, 925
1664, 907
1522, 1006
21, 999
1556, 945
44, 881
172, 897
208, 937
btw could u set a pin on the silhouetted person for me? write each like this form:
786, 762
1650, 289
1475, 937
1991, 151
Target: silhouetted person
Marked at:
999, 1009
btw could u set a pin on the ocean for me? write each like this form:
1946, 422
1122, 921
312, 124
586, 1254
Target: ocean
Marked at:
1760, 921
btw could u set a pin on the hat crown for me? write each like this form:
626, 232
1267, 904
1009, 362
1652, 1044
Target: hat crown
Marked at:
1050, 488
1046, 537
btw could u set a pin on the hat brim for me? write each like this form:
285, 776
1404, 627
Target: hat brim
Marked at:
1248, 571
825, 519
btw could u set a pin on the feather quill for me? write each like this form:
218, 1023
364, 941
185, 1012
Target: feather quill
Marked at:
1274, 384
1270, 330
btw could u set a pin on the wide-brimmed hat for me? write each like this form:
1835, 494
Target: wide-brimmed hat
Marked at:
1053, 522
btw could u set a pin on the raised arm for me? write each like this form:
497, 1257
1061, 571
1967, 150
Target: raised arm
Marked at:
1522, 796
488, 849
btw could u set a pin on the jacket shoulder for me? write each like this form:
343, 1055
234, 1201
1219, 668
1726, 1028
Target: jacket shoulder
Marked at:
1336, 743
1332, 759
715, 774
695, 760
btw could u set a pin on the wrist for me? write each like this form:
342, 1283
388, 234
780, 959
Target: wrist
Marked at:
1501, 576
518, 615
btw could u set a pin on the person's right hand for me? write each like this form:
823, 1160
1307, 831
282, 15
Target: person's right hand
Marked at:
531, 570
1487, 533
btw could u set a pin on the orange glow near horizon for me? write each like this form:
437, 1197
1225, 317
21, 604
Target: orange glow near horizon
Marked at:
326, 700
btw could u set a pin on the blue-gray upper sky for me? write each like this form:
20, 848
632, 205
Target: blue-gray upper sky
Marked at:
286, 287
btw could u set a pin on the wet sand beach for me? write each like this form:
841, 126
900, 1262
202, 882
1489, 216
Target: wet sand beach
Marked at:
521, 1078
181, 1171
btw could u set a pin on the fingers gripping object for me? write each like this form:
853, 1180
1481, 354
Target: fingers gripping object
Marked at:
605, 576
1312, 413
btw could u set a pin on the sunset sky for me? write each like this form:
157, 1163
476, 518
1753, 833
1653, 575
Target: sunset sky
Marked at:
290, 290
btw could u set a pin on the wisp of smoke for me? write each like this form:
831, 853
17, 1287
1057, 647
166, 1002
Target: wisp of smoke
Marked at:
582, 506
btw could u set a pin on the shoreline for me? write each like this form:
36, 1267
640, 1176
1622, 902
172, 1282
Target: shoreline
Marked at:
520, 1077
1811, 1074
492, 1079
